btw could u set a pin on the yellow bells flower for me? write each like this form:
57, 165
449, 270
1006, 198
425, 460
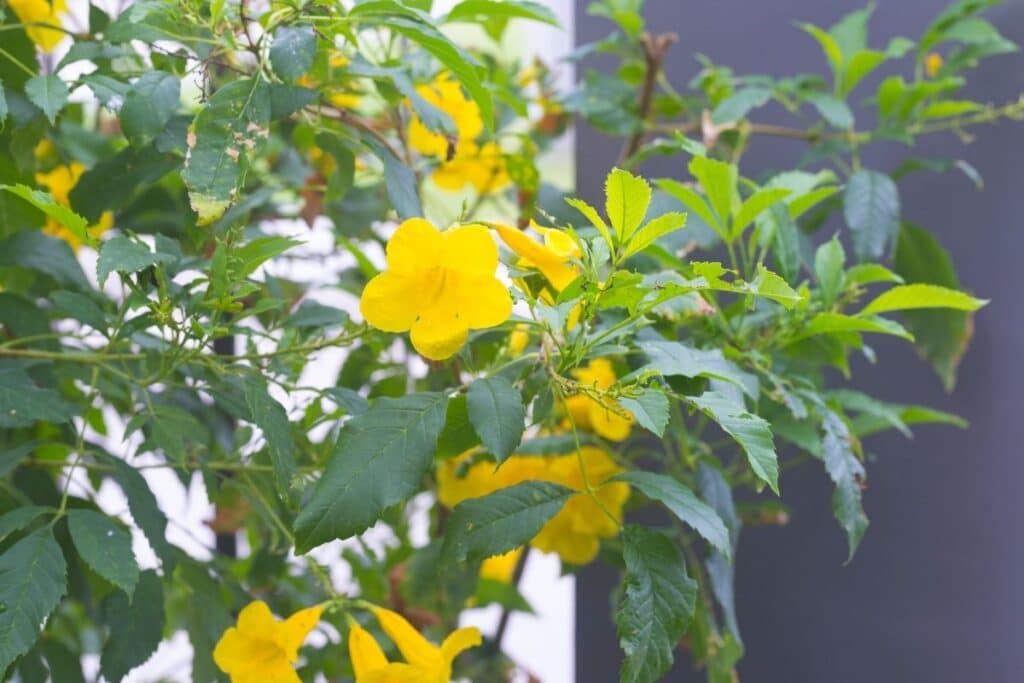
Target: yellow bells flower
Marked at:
36, 14
439, 285
261, 649
446, 94
501, 568
424, 661
59, 182
518, 339
483, 167
574, 533
607, 418
553, 258
932, 64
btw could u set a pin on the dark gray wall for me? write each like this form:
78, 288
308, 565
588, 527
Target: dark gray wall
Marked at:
935, 593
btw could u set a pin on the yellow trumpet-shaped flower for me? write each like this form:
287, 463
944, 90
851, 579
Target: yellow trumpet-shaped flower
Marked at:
446, 94
37, 15
424, 661
574, 533
261, 649
483, 167
59, 182
604, 418
439, 285
501, 568
553, 258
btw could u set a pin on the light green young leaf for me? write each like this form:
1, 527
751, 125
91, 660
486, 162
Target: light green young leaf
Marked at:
32, 582
684, 504
658, 600
474, 10
694, 202
48, 205
627, 198
828, 265
501, 521
719, 181
591, 214
771, 286
105, 547
828, 45
906, 297
496, 410
660, 226
379, 461
837, 323
758, 202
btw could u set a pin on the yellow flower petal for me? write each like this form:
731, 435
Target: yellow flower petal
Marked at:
439, 332
554, 265
293, 632
257, 621
366, 655
395, 673
391, 301
445, 94
416, 649
501, 567
460, 641
34, 14
416, 244
470, 249
484, 302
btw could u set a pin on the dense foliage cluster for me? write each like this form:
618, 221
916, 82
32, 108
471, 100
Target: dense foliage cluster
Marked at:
475, 366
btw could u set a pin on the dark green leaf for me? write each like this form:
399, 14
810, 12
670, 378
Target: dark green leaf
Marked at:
682, 502
293, 51
650, 408
847, 473
496, 410
871, 206
501, 521
105, 547
32, 582
19, 518
49, 93
751, 432
135, 627
145, 511
270, 417
124, 255
48, 205
152, 102
658, 599
379, 461
22, 403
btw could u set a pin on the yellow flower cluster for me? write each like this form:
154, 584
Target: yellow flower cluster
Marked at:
59, 182
261, 649
37, 15
575, 532
424, 661
439, 285
603, 416
481, 165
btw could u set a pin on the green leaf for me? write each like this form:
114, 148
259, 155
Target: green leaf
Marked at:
19, 518
497, 413
871, 206
399, 179
660, 226
771, 286
149, 106
49, 93
684, 504
739, 104
32, 582
501, 521
658, 599
136, 627
22, 403
105, 547
829, 46
838, 323
868, 273
941, 336
751, 432
124, 255
715, 489
757, 203
379, 461
293, 51
650, 408
834, 110
590, 213
224, 138
145, 511
48, 205
675, 358
906, 297
627, 198
847, 473
719, 181
475, 10
3, 103
270, 417
692, 201
828, 265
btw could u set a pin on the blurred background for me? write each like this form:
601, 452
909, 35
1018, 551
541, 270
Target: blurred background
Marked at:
934, 593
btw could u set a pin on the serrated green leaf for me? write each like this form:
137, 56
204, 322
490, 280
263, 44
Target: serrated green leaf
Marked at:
719, 181
149, 106
626, 200
19, 518
737, 105
293, 51
838, 323
145, 511
684, 504
501, 521
32, 582
48, 205
835, 111
751, 432
124, 255
754, 205
379, 461
496, 410
590, 213
694, 202
223, 140
916, 296
105, 547
49, 93
22, 403
135, 628
828, 266
871, 206
658, 599
847, 473
270, 417
675, 358
650, 408
658, 227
